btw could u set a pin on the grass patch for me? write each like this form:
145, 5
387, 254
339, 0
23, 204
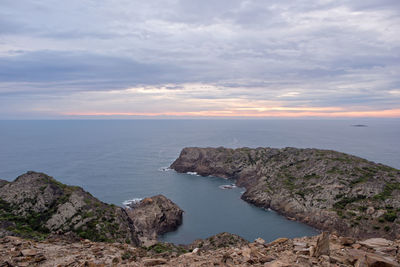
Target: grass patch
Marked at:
390, 216
387, 191
341, 204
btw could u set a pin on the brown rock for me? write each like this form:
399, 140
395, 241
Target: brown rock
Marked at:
23, 264
312, 251
28, 252
154, 262
278, 241
376, 243
379, 261
155, 216
301, 250
361, 263
277, 263
370, 210
147, 200
16, 241
303, 261
260, 241
322, 247
346, 241
92, 264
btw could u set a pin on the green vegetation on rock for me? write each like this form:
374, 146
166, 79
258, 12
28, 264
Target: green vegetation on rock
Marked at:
326, 189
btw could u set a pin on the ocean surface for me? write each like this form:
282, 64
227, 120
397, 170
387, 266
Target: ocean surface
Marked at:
119, 160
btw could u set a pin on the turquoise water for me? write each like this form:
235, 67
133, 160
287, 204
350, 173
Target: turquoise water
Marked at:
122, 159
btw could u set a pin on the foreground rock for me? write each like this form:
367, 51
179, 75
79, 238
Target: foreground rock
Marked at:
297, 252
154, 216
37, 206
218, 241
323, 188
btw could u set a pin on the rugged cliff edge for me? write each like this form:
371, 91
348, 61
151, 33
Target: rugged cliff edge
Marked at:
37, 206
326, 189
154, 216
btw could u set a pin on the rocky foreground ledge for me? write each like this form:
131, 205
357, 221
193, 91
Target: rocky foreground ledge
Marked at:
326, 189
220, 250
37, 206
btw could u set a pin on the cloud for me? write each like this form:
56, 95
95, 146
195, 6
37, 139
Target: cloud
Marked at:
305, 53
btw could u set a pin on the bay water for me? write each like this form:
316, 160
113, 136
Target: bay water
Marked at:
120, 160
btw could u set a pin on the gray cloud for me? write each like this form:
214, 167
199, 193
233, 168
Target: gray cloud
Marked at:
264, 48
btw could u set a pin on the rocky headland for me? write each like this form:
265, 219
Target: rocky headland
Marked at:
326, 189
46, 223
37, 206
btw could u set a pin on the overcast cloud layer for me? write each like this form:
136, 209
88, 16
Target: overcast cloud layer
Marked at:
199, 58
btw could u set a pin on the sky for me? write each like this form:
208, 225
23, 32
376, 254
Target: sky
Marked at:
199, 59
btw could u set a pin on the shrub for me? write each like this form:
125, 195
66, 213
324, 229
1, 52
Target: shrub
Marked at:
390, 216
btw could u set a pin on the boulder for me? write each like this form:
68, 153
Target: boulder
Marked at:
322, 247
154, 216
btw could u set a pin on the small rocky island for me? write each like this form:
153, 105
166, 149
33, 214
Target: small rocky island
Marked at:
326, 189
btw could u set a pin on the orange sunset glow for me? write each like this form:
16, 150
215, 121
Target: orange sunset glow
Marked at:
394, 113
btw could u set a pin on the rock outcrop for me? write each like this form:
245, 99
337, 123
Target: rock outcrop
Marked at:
37, 206
154, 216
221, 240
297, 252
326, 189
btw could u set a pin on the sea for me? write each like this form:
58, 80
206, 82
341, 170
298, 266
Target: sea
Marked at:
119, 161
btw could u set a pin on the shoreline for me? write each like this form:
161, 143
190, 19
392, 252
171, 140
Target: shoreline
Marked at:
324, 189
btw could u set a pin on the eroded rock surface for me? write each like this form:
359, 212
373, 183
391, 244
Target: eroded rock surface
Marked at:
37, 206
298, 252
154, 216
323, 188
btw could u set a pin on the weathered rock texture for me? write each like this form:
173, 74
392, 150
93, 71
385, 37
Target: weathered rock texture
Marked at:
37, 206
323, 188
297, 252
154, 216
221, 240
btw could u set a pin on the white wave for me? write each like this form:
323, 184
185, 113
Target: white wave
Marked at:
227, 186
128, 203
164, 169
193, 173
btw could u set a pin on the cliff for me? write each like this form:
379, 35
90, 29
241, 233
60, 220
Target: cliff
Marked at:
154, 216
326, 189
37, 206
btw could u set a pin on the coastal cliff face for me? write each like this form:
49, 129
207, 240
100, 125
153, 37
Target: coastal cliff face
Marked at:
37, 206
154, 216
326, 189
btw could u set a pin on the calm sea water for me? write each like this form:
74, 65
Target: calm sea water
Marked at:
121, 159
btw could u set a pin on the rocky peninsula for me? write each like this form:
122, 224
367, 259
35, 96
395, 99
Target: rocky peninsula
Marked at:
326, 189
